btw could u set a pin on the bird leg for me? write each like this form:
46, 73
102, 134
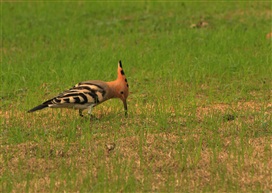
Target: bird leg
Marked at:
90, 110
92, 117
80, 112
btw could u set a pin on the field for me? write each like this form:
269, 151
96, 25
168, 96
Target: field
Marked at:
199, 110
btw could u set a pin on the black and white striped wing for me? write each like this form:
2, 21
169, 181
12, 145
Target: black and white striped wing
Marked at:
80, 96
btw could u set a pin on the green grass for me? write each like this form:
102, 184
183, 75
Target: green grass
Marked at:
187, 85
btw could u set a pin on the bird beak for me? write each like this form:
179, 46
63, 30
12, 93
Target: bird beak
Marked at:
125, 106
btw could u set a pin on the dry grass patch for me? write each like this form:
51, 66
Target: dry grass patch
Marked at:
178, 156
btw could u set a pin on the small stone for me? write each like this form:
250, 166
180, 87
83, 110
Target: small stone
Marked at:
110, 146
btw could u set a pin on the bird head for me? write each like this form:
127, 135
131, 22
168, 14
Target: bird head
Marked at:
120, 87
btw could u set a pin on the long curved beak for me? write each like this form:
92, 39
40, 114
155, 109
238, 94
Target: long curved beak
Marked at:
125, 107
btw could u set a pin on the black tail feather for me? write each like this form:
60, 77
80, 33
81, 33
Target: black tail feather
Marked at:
42, 106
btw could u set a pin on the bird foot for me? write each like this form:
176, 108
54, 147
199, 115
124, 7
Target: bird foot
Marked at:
92, 117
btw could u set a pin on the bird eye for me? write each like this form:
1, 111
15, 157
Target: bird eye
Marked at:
121, 92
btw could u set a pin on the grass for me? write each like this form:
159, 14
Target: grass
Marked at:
199, 108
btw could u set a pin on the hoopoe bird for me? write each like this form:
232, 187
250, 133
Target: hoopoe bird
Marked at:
88, 94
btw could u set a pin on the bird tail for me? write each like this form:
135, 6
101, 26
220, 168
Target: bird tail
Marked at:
42, 106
